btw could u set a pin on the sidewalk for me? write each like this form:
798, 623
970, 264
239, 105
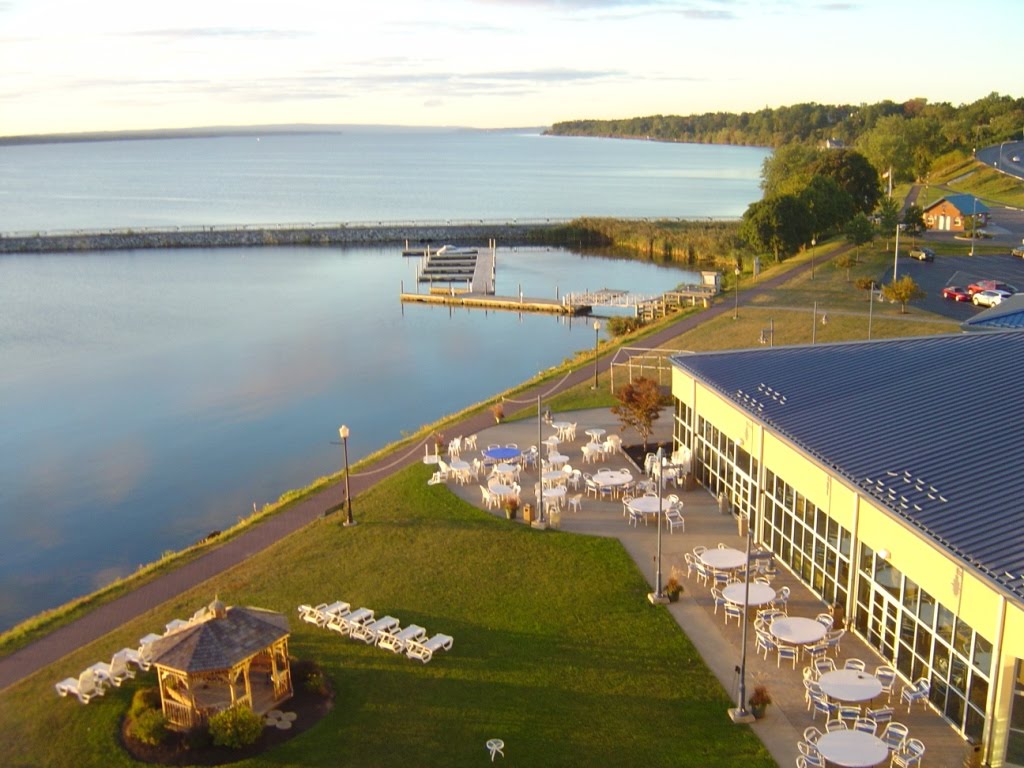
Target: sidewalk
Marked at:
719, 644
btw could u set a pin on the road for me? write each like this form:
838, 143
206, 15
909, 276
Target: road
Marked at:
1001, 157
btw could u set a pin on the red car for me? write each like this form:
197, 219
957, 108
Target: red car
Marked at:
956, 293
989, 285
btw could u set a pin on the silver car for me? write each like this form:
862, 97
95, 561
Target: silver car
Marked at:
990, 298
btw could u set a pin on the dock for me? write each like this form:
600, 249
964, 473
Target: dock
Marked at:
469, 270
475, 300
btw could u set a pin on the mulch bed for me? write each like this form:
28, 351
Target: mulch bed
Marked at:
308, 707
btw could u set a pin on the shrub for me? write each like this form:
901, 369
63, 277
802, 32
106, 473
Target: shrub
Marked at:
145, 699
622, 324
149, 726
236, 727
197, 737
315, 683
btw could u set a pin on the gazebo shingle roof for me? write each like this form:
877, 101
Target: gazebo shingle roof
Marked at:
220, 643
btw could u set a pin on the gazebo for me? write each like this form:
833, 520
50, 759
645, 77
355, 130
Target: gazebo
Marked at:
223, 657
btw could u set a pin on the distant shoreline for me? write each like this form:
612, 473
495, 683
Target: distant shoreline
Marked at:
229, 131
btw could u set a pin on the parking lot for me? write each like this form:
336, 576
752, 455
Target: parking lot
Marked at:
932, 277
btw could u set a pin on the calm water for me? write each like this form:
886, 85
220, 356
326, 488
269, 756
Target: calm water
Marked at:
148, 398
364, 175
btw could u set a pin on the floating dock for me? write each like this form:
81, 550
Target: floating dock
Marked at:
473, 300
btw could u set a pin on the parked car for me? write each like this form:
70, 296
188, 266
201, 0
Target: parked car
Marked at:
956, 293
990, 285
1018, 251
990, 298
922, 254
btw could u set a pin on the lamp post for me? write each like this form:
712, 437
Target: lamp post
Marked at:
814, 242
597, 339
974, 225
736, 309
344, 432
740, 714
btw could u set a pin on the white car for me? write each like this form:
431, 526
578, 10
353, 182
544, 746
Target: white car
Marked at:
990, 298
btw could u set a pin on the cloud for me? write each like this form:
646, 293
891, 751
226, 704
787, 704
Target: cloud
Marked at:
192, 33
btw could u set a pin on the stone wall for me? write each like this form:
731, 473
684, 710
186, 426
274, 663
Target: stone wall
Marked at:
509, 234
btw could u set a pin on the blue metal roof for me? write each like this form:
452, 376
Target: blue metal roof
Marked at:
1006, 316
927, 427
968, 205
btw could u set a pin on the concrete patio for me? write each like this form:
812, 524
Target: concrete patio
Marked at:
718, 643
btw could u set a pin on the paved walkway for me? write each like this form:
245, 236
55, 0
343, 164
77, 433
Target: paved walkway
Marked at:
719, 644
108, 617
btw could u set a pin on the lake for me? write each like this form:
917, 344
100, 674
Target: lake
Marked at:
148, 398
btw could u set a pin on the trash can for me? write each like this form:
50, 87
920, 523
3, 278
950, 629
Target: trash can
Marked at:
527, 514
741, 525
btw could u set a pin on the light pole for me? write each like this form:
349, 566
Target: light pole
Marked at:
736, 310
974, 225
814, 242
597, 339
343, 432
740, 714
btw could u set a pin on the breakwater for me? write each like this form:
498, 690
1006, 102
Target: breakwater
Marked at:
517, 233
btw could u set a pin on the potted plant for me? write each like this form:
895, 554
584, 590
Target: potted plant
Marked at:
672, 589
511, 507
438, 442
498, 411
759, 701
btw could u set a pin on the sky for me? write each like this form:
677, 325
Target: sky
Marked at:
104, 65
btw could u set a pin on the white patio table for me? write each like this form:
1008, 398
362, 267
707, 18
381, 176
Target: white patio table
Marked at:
500, 489
562, 427
596, 433
850, 685
557, 460
727, 559
852, 749
554, 477
556, 494
798, 630
760, 594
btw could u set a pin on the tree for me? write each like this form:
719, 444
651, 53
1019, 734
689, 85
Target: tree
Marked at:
853, 173
888, 217
913, 219
859, 231
904, 290
828, 204
639, 406
780, 225
845, 260
788, 169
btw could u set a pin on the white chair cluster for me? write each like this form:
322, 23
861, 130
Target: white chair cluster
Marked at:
361, 624
95, 680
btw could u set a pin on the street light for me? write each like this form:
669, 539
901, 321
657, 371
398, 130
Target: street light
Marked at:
597, 339
657, 597
814, 242
343, 432
736, 311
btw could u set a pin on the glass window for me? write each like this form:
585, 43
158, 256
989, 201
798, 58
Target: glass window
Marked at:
944, 624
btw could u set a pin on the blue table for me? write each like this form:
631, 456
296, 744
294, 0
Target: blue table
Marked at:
503, 454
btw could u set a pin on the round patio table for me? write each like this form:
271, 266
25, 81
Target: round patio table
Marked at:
595, 434
503, 454
554, 476
556, 494
459, 465
850, 685
759, 593
557, 459
613, 478
562, 427
797, 630
500, 489
852, 749
646, 505
724, 559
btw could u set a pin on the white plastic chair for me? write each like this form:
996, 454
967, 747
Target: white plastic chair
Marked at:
116, 672
85, 687
424, 651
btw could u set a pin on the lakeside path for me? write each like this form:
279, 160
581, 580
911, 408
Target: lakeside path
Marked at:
108, 617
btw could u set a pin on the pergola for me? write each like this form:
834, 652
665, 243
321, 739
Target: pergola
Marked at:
226, 657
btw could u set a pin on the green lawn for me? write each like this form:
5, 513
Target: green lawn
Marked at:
556, 650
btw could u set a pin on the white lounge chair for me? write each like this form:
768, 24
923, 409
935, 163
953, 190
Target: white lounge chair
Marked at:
141, 658
398, 642
116, 672
85, 687
344, 625
425, 651
369, 633
324, 614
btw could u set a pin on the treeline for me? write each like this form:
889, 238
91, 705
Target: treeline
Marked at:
704, 242
907, 136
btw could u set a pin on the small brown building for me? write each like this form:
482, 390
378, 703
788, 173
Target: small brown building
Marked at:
224, 657
950, 213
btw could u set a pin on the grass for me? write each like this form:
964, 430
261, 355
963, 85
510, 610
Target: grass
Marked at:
556, 650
